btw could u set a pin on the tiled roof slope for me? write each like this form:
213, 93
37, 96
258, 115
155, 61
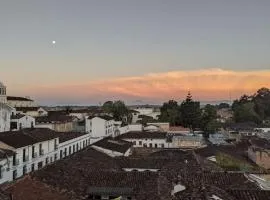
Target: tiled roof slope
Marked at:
143, 135
26, 137
114, 144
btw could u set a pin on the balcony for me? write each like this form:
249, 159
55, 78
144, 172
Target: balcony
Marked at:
41, 152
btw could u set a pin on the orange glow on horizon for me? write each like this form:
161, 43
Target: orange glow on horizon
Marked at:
209, 84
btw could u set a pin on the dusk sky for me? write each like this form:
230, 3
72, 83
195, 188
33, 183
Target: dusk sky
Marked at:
147, 50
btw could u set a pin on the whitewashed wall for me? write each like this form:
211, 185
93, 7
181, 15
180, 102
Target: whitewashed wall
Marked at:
82, 142
26, 122
161, 143
99, 127
5, 113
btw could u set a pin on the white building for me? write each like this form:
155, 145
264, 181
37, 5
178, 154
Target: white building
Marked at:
20, 102
35, 148
147, 139
99, 126
20, 121
71, 142
80, 114
187, 141
32, 111
148, 111
3, 93
5, 110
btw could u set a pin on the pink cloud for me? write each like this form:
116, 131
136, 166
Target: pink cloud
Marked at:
209, 84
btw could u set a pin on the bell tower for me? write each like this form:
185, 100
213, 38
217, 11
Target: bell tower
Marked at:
3, 93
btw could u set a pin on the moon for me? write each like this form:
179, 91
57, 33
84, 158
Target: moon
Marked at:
53, 42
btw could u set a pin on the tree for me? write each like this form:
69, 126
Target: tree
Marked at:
170, 113
68, 109
146, 119
246, 113
118, 109
108, 107
190, 112
262, 103
209, 122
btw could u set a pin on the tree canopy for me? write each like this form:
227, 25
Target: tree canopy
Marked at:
254, 108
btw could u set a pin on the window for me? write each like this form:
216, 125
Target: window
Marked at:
40, 149
155, 145
14, 160
33, 151
24, 155
73, 148
61, 154
162, 145
55, 157
1, 174
47, 160
150, 145
69, 151
55, 144
65, 152
32, 124
51, 159
24, 169
134, 142
40, 164
14, 174
77, 147
33, 167
140, 143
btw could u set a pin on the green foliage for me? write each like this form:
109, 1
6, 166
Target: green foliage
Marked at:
146, 119
170, 113
255, 108
209, 123
246, 113
190, 113
108, 107
230, 163
118, 109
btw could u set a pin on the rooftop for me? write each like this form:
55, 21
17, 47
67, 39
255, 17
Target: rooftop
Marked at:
28, 109
26, 137
12, 98
55, 118
143, 135
86, 173
114, 144
17, 116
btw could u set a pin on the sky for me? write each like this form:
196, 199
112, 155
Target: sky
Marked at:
139, 51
